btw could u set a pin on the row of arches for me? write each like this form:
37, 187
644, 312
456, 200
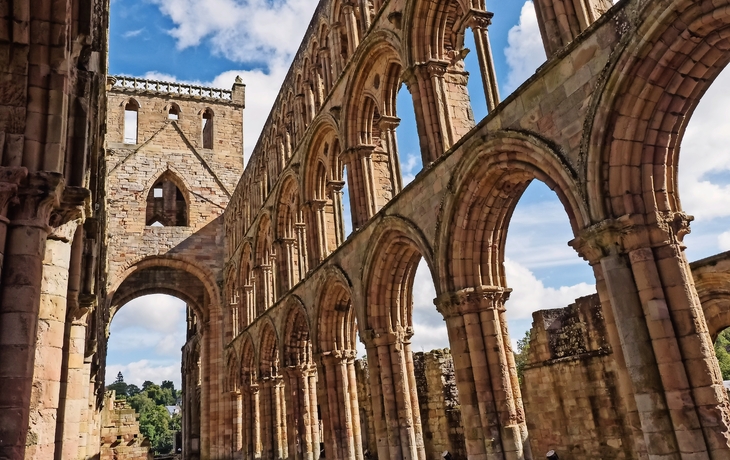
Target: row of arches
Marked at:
619, 191
471, 291
131, 122
359, 130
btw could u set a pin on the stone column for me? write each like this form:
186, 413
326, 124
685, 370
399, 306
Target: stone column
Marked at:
479, 22
425, 83
337, 63
9, 180
310, 104
325, 58
364, 202
250, 299
300, 230
237, 413
318, 230
491, 403
335, 190
397, 420
667, 350
281, 450
340, 408
353, 35
387, 126
74, 391
251, 422
20, 302
302, 427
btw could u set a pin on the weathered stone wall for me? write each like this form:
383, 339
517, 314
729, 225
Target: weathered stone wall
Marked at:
367, 425
569, 385
120, 435
438, 401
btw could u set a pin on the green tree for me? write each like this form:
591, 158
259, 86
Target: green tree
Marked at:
155, 422
523, 347
121, 388
722, 347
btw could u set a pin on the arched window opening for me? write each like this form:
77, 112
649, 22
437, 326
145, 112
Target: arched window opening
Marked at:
166, 205
409, 152
131, 112
174, 112
704, 172
150, 369
208, 129
346, 211
703, 178
549, 281
474, 85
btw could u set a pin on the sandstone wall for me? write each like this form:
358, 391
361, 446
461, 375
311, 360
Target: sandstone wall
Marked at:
569, 385
438, 403
120, 435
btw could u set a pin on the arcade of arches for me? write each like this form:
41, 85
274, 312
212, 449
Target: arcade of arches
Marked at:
93, 216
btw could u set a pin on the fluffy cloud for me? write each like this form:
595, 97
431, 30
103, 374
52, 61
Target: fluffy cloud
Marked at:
137, 372
147, 333
156, 313
704, 161
525, 51
530, 294
240, 30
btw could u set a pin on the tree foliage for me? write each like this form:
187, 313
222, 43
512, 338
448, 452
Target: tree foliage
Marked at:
155, 422
523, 347
722, 351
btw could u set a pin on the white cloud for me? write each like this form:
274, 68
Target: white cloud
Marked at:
723, 241
525, 51
139, 371
704, 172
530, 294
156, 313
705, 150
133, 33
261, 91
410, 166
247, 31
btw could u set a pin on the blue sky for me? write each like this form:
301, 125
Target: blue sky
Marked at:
211, 41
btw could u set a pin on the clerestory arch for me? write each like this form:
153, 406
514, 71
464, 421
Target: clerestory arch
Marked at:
649, 95
488, 186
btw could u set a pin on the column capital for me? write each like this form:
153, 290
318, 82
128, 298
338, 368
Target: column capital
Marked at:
388, 122
38, 195
359, 151
10, 178
380, 337
335, 185
479, 19
472, 300
335, 356
630, 232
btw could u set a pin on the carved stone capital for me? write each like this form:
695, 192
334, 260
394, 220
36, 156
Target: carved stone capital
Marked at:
379, 337
38, 195
478, 19
387, 122
335, 186
353, 153
631, 232
472, 300
10, 178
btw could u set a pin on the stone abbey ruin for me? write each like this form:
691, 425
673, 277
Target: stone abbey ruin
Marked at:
94, 214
